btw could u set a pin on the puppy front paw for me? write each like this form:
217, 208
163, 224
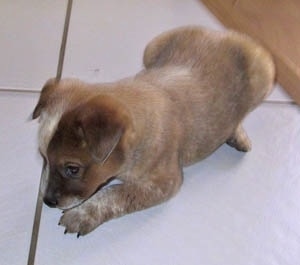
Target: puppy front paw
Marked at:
79, 220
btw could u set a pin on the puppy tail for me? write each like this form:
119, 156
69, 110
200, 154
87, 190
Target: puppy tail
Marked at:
261, 68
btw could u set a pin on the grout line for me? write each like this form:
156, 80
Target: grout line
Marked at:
280, 102
19, 90
36, 225
39, 201
64, 41
32, 91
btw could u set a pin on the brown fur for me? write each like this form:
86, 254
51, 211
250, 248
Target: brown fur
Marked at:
192, 96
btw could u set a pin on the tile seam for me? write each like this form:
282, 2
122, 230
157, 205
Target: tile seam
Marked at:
64, 41
20, 90
32, 91
39, 201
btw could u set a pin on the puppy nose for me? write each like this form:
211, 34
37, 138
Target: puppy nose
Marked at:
51, 202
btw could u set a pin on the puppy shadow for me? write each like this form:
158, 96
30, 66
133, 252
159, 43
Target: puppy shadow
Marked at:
224, 158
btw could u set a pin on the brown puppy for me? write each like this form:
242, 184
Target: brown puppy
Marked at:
192, 96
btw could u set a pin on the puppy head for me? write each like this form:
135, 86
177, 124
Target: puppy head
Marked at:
84, 150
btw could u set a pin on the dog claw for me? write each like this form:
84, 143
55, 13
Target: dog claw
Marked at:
59, 223
78, 235
66, 231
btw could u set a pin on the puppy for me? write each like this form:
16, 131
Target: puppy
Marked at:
192, 96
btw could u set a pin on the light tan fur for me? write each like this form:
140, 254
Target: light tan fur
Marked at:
192, 96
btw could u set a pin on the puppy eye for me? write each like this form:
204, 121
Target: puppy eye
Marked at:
72, 171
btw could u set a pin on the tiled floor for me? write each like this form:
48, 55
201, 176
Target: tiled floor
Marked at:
232, 209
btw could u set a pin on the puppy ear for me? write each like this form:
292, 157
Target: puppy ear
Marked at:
37, 110
42, 103
102, 126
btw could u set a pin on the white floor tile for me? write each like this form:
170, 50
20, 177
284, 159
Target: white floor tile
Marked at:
107, 38
279, 94
20, 169
31, 32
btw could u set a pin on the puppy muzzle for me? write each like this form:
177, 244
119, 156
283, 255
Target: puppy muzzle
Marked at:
50, 200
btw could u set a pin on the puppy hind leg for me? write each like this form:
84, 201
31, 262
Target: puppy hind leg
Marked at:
240, 140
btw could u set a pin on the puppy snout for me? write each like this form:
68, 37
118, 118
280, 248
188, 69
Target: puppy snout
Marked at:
51, 201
